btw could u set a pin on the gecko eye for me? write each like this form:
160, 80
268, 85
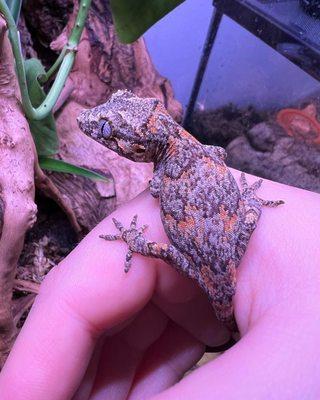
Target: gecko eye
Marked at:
105, 129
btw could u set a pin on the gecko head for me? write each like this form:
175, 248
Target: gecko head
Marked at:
134, 127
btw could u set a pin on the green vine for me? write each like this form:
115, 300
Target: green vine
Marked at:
64, 62
15, 7
38, 105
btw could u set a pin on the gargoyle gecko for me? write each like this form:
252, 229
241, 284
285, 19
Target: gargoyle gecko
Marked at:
206, 217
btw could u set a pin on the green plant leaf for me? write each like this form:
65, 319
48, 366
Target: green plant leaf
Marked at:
51, 164
43, 131
133, 17
15, 8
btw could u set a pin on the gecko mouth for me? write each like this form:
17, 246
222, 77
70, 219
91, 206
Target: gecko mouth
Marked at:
111, 143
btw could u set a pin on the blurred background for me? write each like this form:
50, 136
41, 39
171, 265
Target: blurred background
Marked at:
259, 92
242, 69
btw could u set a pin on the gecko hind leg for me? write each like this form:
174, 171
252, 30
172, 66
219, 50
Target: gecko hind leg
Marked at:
137, 243
252, 207
249, 192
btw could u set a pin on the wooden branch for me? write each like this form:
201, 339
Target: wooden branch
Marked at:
45, 185
17, 208
21, 305
26, 286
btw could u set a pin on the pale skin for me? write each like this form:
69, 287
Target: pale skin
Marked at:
103, 334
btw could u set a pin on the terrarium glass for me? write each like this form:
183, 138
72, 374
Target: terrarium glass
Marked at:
259, 94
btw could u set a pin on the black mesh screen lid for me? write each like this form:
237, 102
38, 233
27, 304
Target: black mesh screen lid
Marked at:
312, 7
294, 16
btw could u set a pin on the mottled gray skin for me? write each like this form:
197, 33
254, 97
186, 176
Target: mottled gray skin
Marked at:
207, 218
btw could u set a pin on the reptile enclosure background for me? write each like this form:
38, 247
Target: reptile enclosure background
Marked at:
256, 88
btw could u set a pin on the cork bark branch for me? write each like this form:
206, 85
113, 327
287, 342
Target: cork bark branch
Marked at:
17, 207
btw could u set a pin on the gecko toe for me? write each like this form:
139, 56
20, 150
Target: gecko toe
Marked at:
118, 225
142, 229
110, 237
243, 181
133, 224
271, 203
249, 192
256, 185
127, 264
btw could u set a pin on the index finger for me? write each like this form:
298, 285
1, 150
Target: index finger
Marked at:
85, 295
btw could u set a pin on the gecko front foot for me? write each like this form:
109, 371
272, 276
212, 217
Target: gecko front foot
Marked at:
133, 236
137, 243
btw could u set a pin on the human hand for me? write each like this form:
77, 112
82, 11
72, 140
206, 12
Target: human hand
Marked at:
95, 332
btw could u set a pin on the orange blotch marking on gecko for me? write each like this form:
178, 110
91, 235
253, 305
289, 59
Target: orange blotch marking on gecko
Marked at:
152, 124
228, 278
160, 109
186, 224
189, 208
228, 221
223, 213
159, 248
170, 221
209, 162
231, 268
230, 224
154, 119
222, 169
166, 180
186, 135
186, 176
207, 277
198, 226
172, 150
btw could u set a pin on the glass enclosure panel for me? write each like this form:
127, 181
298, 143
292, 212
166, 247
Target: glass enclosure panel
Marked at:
259, 105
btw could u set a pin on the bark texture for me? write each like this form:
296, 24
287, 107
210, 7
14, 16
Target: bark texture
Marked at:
17, 207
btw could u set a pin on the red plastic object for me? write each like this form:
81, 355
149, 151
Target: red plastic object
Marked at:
301, 124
